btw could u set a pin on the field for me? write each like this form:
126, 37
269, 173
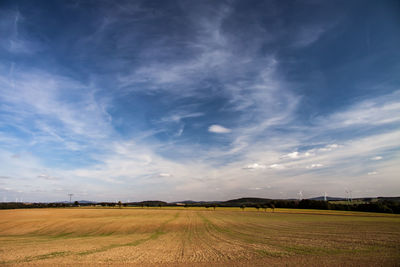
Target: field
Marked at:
197, 237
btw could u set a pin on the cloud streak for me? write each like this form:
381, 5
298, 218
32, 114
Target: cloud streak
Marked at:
194, 101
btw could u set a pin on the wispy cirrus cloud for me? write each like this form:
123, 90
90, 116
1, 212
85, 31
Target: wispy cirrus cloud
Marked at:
35, 94
179, 116
220, 102
378, 111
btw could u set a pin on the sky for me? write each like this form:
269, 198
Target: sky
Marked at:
201, 100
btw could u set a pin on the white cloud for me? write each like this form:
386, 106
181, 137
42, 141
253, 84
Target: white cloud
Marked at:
298, 155
15, 39
179, 116
262, 100
215, 128
329, 147
128, 162
308, 154
180, 131
276, 166
293, 155
37, 98
255, 166
309, 35
46, 177
313, 166
372, 173
374, 112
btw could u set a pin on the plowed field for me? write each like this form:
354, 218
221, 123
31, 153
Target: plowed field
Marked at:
197, 237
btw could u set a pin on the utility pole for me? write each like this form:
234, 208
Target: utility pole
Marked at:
70, 197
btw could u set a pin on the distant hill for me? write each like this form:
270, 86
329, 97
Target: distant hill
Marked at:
192, 202
233, 202
150, 203
252, 201
80, 202
186, 202
246, 201
86, 202
328, 198
394, 199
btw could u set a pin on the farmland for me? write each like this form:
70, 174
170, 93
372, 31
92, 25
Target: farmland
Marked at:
197, 236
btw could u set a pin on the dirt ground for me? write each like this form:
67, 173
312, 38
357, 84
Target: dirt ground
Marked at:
197, 237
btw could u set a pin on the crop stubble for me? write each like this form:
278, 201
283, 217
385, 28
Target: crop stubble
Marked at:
196, 237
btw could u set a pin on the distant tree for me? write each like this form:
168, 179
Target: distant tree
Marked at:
76, 203
120, 204
272, 206
159, 205
264, 207
257, 207
242, 207
214, 206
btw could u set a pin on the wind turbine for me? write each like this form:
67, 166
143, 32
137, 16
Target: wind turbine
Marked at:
348, 195
300, 195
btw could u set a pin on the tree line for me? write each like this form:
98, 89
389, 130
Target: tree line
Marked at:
385, 206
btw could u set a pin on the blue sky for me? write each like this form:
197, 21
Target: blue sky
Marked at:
203, 100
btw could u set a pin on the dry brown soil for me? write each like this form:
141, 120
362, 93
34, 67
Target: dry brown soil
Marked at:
197, 237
